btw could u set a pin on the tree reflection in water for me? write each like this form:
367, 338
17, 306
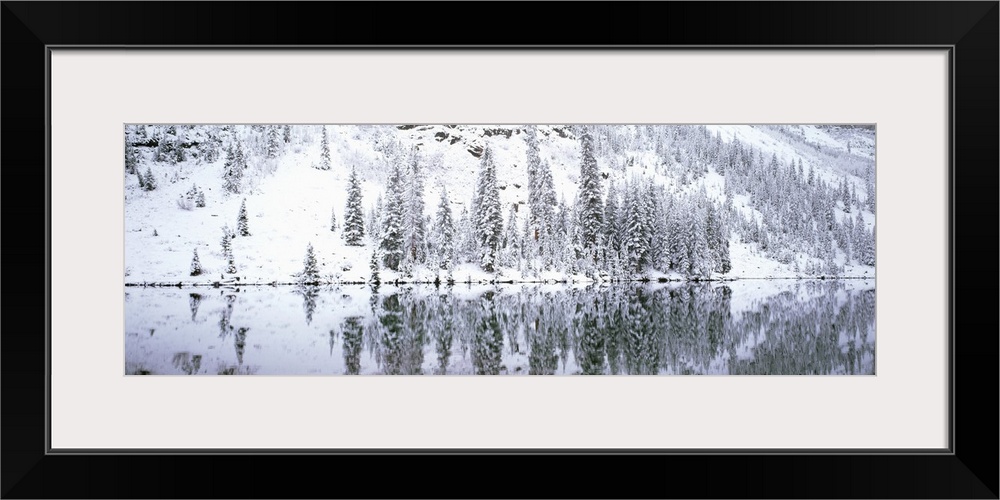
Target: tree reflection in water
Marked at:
635, 329
741, 328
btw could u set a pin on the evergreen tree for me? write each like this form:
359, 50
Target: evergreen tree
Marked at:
612, 233
590, 206
870, 189
415, 242
699, 258
445, 232
232, 176
192, 196
241, 159
392, 221
845, 196
541, 232
869, 256
373, 224
488, 220
287, 134
547, 195
718, 241
195, 264
373, 265
242, 224
535, 187
178, 150
131, 158
199, 198
310, 269
273, 141
354, 227
324, 163
465, 238
227, 249
511, 243
655, 213
333, 219
148, 181
679, 257
635, 233
864, 243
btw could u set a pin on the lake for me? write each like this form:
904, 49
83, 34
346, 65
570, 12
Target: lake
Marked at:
746, 327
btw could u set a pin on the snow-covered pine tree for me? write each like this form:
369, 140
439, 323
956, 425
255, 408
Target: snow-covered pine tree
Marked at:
612, 233
845, 196
333, 219
286, 134
195, 264
192, 194
511, 242
232, 170
166, 141
444, 232
870, 189
589, 205
310, 268
199, 198
148, 181
373, 221
655, 213
639, 227
273, 141
391, 245
324, 162
465, 238
864, 243
561, 236
532, 250
131, 157
373, 266
534, 164
547, 196
869, 255
718, 241
227, 249
847, 238
241, 157
178, 149
242, 223
488, 220
354, 226
415, 230
677, 242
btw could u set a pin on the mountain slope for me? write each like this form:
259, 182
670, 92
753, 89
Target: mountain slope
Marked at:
688, 169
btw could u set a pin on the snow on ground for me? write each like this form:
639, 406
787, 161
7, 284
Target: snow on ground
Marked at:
290, 207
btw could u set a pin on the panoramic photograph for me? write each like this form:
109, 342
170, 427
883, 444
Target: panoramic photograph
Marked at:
527, 249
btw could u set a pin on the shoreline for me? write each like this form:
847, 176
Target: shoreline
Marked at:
229, 283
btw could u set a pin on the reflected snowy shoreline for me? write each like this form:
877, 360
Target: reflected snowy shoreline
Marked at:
772, 327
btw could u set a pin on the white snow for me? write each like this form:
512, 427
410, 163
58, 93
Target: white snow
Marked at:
289, 202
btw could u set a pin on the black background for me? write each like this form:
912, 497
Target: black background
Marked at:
972, 472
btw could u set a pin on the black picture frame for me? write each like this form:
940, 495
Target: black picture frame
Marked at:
968, 30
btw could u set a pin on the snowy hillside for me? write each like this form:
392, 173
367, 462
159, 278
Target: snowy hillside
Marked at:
509, 203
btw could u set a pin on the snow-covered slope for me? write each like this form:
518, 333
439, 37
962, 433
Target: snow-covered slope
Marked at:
289, 201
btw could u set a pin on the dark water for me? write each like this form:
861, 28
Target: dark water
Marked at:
739, 328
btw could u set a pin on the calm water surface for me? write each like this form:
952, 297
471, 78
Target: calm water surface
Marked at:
753, 327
